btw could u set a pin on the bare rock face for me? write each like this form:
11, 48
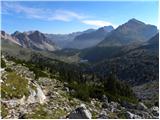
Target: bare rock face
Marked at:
34, 40
80, 113
36, 95
6, 36
40, 95
31, 97
23, 39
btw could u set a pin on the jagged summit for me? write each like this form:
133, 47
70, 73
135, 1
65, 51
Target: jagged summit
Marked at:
133, 20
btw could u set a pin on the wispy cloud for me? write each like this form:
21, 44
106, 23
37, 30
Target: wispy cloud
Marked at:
41, 13
47, 14
65, 15
98, 23
12, 7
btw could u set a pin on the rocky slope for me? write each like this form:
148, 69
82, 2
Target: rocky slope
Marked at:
6, 36
24, 96
9, 48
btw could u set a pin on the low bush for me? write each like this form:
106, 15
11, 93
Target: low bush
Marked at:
3, 64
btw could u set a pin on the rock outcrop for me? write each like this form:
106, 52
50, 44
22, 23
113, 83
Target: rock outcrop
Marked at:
80, 113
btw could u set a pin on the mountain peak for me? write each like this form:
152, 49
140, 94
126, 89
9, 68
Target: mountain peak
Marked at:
36, 31
133, 31
135, 21
108, 28
15, 33
3, 32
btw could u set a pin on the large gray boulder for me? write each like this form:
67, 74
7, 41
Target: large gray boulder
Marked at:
80, 113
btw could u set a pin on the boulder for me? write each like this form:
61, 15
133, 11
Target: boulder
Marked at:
22, 100
104, 99
128, 105
72, 92
141, 106
21, 115
130, 115
36, 95
66, 89
80, 113
115, 104
103, 115
32, 97
65, 84
155, 111
105, 105
40, 95
141, 113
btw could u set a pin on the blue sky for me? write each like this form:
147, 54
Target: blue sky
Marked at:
67, 17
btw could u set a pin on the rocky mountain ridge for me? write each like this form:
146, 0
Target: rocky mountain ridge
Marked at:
133, 31
90, 39
10, 38
34, 40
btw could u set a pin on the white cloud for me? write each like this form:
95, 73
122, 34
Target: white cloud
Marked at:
41, 13
12, 7
98, 23
47, 14
65, 15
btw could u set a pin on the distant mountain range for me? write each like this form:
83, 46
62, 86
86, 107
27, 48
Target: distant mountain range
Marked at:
91, 38
130, 35
62, 40
131, 32
100, 53
80, 40
34, 40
